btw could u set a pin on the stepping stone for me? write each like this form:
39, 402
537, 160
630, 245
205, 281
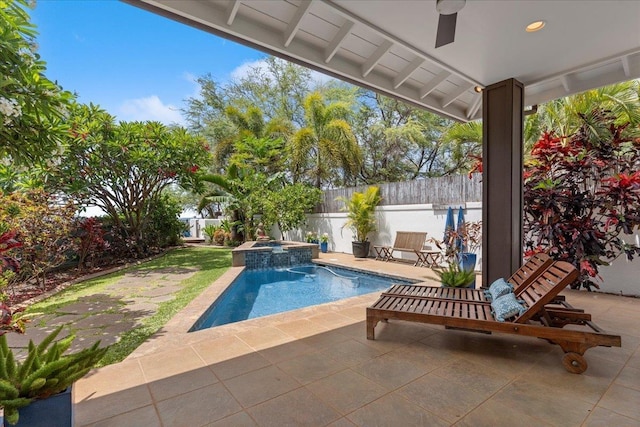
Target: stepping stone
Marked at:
90, 306
98, 321
162, 290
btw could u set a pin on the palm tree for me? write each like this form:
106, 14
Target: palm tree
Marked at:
325, 147
566, 115
249, 124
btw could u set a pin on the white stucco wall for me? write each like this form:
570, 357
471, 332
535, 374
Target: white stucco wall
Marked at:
391, 219
621, 277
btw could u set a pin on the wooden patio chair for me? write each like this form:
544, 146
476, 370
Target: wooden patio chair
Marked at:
537, 321
522, 278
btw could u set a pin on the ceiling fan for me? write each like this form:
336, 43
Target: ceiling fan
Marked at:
448, 10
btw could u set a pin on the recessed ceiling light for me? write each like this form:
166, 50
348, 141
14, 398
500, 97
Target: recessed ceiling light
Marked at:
535, 26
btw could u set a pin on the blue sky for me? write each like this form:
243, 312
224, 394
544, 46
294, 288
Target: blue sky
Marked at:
134, 64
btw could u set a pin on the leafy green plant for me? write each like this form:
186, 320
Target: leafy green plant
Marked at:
361, 208
124, 168
210, 231
32, 107
46, 371
454, 276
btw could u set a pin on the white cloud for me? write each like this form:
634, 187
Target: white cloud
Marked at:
150, 108
243, 71
193, 79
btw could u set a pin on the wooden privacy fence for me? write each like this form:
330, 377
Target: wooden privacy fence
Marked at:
442, 191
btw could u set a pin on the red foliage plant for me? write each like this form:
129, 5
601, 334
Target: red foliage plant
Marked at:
581, 193
90, 239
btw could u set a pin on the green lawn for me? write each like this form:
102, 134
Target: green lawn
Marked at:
211, 264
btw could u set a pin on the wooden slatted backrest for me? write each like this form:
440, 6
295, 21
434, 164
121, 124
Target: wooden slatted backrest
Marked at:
410, 240
529, 271
546, 287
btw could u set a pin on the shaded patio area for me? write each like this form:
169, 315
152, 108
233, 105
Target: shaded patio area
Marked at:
315, 367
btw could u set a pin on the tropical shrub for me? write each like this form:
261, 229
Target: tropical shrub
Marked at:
219, 236
90, 239
123, 168
210, 230
164, 227
43, 224
581, 192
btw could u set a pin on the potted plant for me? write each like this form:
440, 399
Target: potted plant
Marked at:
361, 218
462, 244
312, 237
324, 242
454, 276
37, 391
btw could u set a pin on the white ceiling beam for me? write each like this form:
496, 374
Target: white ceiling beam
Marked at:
293, 26
455, 94
625, 66
232, 9
373, 60
474, 107
397, 41
433, 83
333, 47
406, 73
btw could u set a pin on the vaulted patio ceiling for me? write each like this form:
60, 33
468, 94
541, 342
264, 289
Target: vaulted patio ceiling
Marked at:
388, 46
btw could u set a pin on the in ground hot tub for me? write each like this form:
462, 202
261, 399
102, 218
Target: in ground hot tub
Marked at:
273, 253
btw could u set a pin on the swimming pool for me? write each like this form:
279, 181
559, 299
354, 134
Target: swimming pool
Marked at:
257, 293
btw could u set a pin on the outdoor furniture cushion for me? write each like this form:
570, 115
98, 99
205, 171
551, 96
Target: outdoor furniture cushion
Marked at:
507, 306
497, 289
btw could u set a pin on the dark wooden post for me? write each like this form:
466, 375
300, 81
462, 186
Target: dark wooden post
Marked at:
502, 113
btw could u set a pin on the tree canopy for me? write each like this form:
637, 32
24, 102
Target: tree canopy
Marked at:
124, 167
32, 107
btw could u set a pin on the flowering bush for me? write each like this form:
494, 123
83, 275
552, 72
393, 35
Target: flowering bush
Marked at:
324, 238
312, 237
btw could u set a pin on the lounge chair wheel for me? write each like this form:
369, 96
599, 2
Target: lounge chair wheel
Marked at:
574, 363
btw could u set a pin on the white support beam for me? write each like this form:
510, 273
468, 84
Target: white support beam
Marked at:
626, 67
406, 73
232, 9
433, 83
455, 94
474, 107
333, 47
373, 60
293, 26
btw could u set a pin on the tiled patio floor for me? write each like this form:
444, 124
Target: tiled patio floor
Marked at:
315, 367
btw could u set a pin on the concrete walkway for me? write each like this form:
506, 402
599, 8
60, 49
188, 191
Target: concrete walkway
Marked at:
315, 367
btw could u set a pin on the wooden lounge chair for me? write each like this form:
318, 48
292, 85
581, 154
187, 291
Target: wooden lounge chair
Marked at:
522, 278
537, 321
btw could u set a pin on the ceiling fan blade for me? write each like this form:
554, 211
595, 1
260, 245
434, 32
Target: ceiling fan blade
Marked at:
446, 29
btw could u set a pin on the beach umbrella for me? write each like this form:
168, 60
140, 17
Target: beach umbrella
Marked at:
448, 225
459, 229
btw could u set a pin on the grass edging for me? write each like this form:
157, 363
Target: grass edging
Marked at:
211, 264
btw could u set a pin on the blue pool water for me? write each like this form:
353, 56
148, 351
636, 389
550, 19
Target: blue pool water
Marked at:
257, 293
